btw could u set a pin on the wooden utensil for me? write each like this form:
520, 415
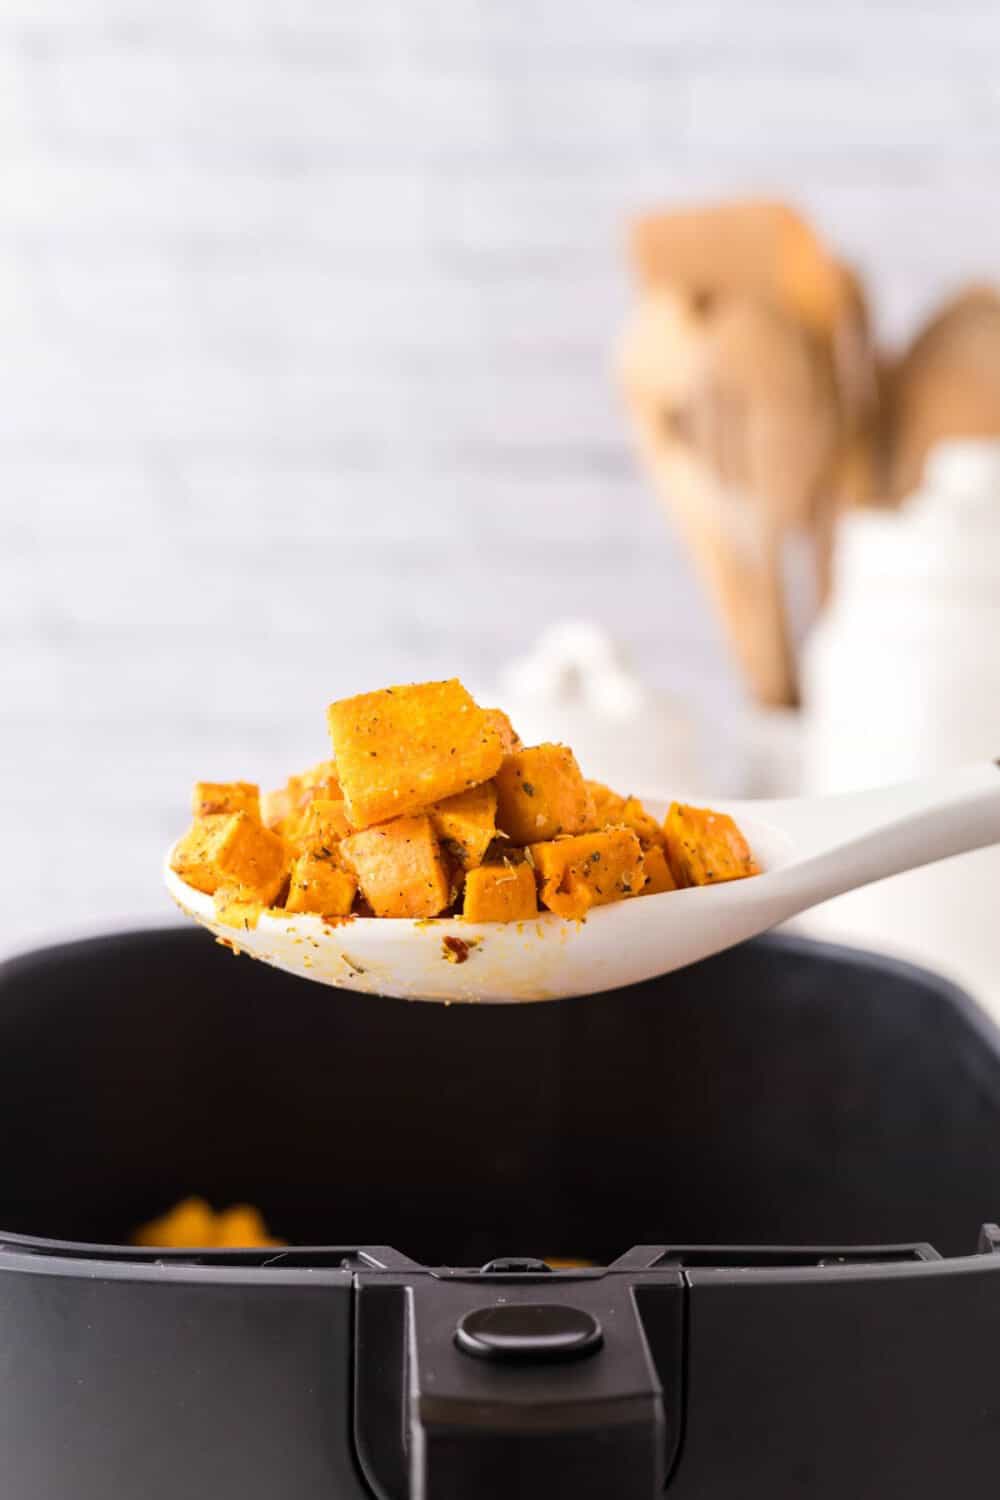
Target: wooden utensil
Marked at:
945, 385
750, 376
735, 409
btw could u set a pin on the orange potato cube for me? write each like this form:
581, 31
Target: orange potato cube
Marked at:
321, 780
500, 893
657, 871
591, 869
193, 854
400, 868
242, 1227
283, 809
236, 850
323, 825
704, 847
233, 908
467, 822
319, 885
541, 793
404, 748
190, 1224
279, 806
210, 797
509, 737
612, 810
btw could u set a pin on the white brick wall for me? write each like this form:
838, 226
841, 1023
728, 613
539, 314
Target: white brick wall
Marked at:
305, 313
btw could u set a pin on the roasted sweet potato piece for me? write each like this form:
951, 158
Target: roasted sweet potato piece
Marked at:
657, 871
541, 794
318, 884
284, 809
191, 1225
509, 737
322, 826
467, 823
211, 797
242, 1227
612, 810
704, 847
233, 850
400, 868
588, 870
500, 893
321, 780
193, 854
281, 805
404, 748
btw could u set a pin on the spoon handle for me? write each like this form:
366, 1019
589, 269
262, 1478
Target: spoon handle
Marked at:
848, 841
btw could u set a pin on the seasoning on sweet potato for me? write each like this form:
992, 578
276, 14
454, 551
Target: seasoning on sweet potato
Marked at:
232, 849
210, 797
657, 871
319, 885
467, 823
704, 847
612, 810
541, 793
500, 893
399, 868
588, 870
403, 748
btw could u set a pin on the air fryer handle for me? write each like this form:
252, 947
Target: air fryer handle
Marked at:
513, 1390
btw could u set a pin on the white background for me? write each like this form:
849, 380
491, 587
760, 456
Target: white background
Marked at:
306, 310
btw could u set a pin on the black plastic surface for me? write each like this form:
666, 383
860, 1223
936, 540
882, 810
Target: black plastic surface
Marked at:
777, 1095
773, 1095
539, 1333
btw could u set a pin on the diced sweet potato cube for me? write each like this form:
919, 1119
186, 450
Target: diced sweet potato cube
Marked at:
612, 810
704, 847
591, 869
232, 849
277, 807
323, 825
234, 908
319, 885
500, 893
210, 797
509, 737
190, 1224
404, 748
541, 794
193, 855
284, 808
467, 823
400, 868
657, 871
321, 780
242, 1227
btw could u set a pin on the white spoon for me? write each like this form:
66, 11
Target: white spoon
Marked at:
809, 851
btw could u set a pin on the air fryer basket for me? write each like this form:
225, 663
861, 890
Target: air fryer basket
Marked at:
782, 1095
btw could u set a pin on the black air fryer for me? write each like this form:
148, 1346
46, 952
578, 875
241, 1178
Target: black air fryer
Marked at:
785, 1162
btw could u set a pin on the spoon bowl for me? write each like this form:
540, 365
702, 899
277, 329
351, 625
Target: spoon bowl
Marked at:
809, 850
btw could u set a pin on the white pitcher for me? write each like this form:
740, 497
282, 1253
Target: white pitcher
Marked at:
902, 677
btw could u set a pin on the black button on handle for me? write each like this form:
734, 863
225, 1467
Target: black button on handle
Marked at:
535, 1332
